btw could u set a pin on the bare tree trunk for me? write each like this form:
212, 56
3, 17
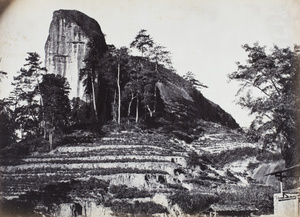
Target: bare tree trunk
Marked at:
129, 106
155, 89
21, 131
150, 112
137, 110
119, 95
94, 101
113, 108
130, 103
51, 132
45, 129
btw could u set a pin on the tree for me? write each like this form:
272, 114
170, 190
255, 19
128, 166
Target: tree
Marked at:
159, 55
190, 77
154, 54
26, 97
3, 74
55, 90
142, 42
122, 58
115, 66
7, 128
274, 76
56, 109
90, 75
149, 80
133, 89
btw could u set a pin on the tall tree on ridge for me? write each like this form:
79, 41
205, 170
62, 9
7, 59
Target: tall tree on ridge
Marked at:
190, 77
142, 42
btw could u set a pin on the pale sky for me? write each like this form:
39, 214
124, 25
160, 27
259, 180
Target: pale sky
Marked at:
204, 36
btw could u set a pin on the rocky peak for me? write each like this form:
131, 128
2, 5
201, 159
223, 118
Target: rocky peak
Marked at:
67, 45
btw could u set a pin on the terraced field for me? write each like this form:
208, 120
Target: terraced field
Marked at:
110, 158
123, 172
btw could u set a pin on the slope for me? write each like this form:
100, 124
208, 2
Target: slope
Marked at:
133, 171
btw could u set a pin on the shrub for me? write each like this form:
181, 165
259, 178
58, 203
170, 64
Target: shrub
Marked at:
183, 136
148, 208
121, 191
193, 159
252, 166
176, 187
267, 155
204, 183
92, 185
192, 203
17, 207
229, 156
259, 196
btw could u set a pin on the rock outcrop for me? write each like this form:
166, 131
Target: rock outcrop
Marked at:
67, 45
182, 103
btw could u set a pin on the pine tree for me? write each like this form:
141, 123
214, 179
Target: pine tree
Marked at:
274, 103
56, 109
26, 98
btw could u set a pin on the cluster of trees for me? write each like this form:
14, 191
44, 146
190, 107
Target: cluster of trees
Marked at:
37, 105
269, 85
116, 84
121, 85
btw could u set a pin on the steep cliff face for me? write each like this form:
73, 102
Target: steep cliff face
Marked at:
67, 45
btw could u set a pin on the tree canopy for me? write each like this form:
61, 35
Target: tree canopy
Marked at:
24, 98
190, 77
56, 107
274, 103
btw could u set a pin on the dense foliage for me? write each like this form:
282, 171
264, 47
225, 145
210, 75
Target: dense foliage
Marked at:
193, 203
56, 106
23, 98
118, 84
7, 127
38, 104
268, 89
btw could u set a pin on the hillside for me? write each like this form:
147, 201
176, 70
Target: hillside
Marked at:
136, 171
76, 44
106, 133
